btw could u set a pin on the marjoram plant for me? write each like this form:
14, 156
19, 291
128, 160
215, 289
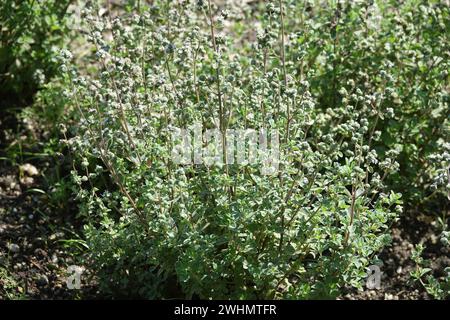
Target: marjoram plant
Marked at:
158, 229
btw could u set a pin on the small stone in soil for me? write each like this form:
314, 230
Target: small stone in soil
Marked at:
42, 280
13, 248
388, 296
38, 240
40, 253
29, 169
27, 181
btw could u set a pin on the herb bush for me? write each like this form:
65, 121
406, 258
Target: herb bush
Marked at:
31, 33
157, 229
398, 50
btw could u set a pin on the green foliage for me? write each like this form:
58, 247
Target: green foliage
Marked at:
156, 229
31, 32
358, 90
398, 51
10, 288
439, 289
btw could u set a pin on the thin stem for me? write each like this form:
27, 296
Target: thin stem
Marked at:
107, 162
283, 61
219, 90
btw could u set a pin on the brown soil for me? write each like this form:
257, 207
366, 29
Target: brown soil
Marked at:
33, 255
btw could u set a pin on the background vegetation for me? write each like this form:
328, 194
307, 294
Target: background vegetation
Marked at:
359, 91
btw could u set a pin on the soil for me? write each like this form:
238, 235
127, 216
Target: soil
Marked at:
33, 255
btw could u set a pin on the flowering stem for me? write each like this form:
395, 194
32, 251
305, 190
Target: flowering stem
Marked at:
283, 61
219, 90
